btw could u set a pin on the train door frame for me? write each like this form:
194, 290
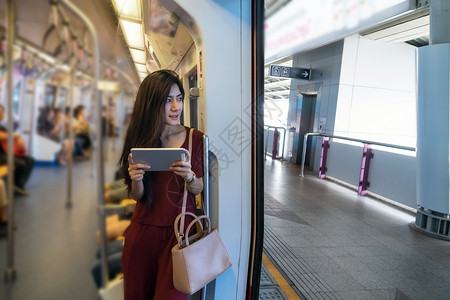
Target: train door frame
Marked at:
257, 150
241, 44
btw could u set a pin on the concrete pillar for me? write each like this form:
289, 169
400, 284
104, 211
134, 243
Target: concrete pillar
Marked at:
439, 22
433, 126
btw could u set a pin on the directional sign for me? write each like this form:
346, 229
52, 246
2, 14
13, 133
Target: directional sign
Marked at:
288, 72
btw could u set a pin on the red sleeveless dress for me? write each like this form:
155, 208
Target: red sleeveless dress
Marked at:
146, 256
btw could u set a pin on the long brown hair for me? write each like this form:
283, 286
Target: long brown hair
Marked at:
146, 125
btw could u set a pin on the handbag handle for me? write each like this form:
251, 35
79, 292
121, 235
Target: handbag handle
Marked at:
177, 229
179, 236
195, 221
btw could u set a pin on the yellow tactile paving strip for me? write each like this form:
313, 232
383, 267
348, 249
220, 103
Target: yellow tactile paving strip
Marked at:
282, 283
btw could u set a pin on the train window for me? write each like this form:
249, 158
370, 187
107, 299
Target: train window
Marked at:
62, 98
50, 95
16, 98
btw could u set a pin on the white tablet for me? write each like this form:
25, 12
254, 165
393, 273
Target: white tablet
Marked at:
159, 159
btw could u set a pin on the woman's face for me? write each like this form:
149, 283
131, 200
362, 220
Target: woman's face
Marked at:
173, 106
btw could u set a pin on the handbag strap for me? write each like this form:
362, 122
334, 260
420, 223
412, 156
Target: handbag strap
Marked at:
183, 210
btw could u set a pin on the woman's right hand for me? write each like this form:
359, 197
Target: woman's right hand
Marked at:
136, 170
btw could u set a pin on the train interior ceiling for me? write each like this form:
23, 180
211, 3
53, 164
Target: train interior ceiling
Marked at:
333, 227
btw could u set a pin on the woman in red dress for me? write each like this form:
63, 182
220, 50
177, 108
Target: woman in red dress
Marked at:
146, 257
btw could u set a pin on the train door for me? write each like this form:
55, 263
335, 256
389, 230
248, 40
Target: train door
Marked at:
305, 117
193, 101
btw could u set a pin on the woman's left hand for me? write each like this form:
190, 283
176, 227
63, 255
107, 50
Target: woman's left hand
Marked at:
183, 168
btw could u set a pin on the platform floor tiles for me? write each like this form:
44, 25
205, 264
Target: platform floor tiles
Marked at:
330, 243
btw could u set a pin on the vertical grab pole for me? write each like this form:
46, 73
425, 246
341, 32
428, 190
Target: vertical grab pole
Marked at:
99, 153
69, 103
10, 273
206, 172
205, 188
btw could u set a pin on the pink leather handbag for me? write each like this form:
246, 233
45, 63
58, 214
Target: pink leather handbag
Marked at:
200, 258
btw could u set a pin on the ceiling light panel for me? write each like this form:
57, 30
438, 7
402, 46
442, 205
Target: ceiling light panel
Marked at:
133, 33
138, 55
141, 68
128, 8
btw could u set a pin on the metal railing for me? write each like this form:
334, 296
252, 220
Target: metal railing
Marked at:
305, 140
268, 128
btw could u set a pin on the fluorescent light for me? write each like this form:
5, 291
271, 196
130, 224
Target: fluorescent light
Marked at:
142, 74
138, 55
108, 86
141, 68
133, 34
128, 8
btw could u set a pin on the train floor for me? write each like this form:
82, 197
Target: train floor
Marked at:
55, 246
330, 243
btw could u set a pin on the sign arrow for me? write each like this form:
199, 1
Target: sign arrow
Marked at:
289, 72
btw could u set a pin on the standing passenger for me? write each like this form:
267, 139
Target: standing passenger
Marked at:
146, 258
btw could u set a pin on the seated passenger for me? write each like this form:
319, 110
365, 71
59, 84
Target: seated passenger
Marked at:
115, 191
77, 142
114, 255
108, 119
81, 128
57, 132
23, 164
3, 204
50, 125
115, 227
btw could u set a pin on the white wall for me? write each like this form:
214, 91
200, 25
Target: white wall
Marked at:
377, 102
376, 98
368, 91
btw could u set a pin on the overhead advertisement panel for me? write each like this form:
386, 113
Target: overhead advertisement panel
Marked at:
303, 25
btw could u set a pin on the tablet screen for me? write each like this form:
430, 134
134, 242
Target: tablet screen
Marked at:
160, 159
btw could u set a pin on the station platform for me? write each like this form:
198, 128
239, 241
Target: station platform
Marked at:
324, 240
330, 243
